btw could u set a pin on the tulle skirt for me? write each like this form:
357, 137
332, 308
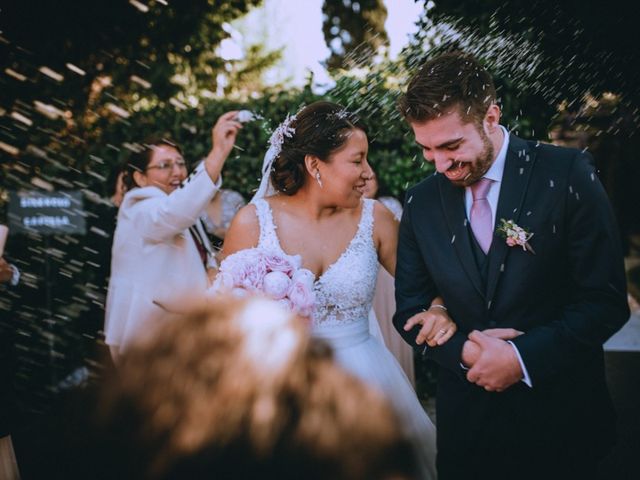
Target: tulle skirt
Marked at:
364, 356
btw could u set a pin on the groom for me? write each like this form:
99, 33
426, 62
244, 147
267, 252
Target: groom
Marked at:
521, 386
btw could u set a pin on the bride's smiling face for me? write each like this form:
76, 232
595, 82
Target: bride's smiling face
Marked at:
345, 173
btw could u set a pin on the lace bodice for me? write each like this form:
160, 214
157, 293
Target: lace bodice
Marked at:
344, 292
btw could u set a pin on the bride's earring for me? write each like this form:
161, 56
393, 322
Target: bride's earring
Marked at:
318, 178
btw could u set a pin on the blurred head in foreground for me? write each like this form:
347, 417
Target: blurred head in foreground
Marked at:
237, 389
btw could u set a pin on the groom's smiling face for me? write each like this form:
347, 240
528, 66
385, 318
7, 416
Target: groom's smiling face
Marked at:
460, 149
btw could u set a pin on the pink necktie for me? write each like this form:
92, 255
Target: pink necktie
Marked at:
481, 214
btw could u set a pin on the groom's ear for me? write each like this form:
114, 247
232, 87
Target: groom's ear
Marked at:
492, 118
311, 164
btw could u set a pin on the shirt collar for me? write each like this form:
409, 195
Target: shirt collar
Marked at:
497, 167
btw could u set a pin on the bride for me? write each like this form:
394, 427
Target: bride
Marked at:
316, 169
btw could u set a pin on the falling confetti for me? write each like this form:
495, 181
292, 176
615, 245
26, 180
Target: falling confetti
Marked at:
76, 69
58, 77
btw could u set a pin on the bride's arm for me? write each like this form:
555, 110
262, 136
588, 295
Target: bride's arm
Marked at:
243, 233
385, 236
436, 325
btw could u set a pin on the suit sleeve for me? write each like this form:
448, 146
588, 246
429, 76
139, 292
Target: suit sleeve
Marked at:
164, 216
596, 306
414, 291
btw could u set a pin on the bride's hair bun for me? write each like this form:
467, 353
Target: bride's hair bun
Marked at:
288, 171
319, 129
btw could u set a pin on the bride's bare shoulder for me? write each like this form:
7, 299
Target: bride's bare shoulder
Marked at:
385, 224
382, 213
246, 217
284, 207
244, 231
276, 201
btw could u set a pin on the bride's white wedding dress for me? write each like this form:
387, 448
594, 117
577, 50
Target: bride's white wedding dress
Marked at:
343, 300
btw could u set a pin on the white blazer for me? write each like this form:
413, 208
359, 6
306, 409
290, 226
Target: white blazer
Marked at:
155, 260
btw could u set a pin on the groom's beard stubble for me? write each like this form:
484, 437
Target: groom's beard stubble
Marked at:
481, 165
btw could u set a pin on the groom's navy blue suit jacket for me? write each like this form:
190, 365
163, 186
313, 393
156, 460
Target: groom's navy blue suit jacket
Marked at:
569, 298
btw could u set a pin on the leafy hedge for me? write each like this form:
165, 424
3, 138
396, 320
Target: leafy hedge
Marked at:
392, 153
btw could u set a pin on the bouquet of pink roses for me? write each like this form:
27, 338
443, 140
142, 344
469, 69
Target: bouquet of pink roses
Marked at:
277, 276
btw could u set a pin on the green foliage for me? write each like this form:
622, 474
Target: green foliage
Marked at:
134, 72
528, 106
111, 40
353, 31
565, 50
392, 153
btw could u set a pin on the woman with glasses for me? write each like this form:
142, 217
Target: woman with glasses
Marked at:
160, 251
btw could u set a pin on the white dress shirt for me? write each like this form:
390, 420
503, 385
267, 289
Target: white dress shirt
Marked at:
495, 173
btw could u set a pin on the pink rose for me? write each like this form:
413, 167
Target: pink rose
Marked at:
276, 284
253, 277
511, 241
244, 269
239, 292
301, 297
305, 276
286, 303
224, 280
279, 263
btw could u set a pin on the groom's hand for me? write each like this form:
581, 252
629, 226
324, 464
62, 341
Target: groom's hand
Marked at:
470, 353
497, 366
503, 333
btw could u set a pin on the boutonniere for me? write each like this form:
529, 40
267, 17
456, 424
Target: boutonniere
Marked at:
515, 235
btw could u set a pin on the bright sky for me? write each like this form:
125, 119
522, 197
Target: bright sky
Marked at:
297, 26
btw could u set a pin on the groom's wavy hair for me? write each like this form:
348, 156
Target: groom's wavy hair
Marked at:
321, 129
452, 80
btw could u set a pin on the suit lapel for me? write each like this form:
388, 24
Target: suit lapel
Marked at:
515, 180
452, 199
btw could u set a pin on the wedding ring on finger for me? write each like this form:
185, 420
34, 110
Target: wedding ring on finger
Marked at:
442, 331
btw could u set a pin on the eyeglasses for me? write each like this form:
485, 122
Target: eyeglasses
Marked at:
168, 166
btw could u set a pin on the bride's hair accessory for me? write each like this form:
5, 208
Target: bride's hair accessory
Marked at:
318, 178
284, 130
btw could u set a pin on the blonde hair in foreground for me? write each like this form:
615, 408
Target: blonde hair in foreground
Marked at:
238, 389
